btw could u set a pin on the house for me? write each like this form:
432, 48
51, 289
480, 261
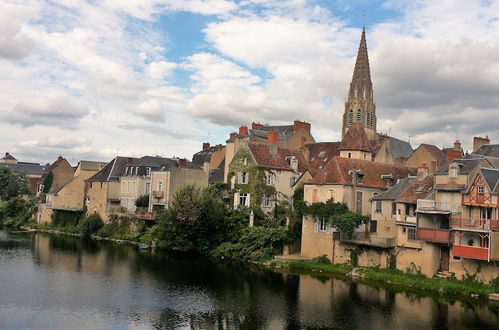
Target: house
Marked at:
429, 154
390, 150
103, 188
70, 196
291, 137
56, 175
151, 176
212, 160
263, 173
33, 171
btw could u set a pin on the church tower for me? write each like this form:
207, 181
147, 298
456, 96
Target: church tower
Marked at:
360, 106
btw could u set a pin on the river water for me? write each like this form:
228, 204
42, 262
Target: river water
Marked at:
51, 281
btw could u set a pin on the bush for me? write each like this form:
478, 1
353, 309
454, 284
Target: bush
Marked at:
255, 244
67, 221
17, 211
127, 228
142, 201
90, 225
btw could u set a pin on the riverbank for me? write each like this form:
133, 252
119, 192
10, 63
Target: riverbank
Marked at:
451, 287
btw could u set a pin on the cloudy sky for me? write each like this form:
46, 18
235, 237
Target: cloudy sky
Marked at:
92, 79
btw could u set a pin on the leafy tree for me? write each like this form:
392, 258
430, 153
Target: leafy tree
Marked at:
12, 184
337, 215
142, 201
90, 225
47, 182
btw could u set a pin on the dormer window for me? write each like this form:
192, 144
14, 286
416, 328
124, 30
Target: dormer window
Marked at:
453, 170
148, 171
137, 170
126, 171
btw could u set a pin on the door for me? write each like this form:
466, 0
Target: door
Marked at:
444, 258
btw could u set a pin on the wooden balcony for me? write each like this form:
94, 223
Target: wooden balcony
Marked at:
477, 199
434, 235
472, 252
474, 223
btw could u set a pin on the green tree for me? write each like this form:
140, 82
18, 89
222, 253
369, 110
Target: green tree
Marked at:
142, 201
90, 225
12, 184
47, 182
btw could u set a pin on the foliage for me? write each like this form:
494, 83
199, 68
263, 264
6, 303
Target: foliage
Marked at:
255, 244
66, 220
318, 264
12, 184
337, 215
124, 227
322, 260
142, 201
17, 211
90, 225
354, 257
47, 183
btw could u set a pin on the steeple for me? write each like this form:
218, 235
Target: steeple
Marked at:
360, 106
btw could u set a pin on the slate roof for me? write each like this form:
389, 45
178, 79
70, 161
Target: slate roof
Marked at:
263, 156
217, 174
491, 176
466, 165
28, 168
156, 164
204, 156
285, 131
394, 192
319, 153
356, 139
8, 157
337, 172
112, 171
490, 150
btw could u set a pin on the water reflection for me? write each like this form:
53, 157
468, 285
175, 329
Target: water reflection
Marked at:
59, 281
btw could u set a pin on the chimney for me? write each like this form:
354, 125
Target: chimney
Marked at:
59, 158
297, 125
423, 172
457, 145
182, 163
206, 145
273, 137
6, 154
256, 125
453, 154
479, 141
243, 130
232, 136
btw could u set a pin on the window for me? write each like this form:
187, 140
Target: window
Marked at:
268, 179
481, 189
349, 155
369, 119
126, 171
373, 226
331, 195
292, 181
148, 171
101, 185
245, 160
411, 234
359, 115
350, 117
485, 213
243, 177
87, 201
91, 185
137, 170
266, 202
147, 188
243, 199
160, 185
453, 170
379, 207
321, 225
315, 198
394, 208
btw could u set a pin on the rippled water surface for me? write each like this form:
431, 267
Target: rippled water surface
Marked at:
49, 281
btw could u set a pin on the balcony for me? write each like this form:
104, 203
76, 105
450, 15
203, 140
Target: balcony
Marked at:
158, 194
474, 223
434, 235
371, 240
472, 252
431, 206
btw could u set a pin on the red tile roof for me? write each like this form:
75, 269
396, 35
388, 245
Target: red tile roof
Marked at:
337, 171
417, 190
356, 139
319, 153
264, 157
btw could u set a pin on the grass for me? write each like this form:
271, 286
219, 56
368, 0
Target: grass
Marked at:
419, 282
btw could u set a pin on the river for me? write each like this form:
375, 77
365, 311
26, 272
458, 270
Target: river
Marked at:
56, 281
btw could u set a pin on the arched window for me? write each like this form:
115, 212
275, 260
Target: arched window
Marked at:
359, 115
369, 119
350, 117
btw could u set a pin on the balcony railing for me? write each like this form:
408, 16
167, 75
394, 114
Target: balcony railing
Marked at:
157, 194
434, 235
472, 252
433, 206
474, 223
371, 240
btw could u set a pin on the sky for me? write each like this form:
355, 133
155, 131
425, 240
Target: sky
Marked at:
93, 79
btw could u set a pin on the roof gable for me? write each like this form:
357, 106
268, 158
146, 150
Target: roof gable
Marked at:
356, 139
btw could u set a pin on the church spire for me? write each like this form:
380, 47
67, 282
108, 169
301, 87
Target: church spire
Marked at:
360, 106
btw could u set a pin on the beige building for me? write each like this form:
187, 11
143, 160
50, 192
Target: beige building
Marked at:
103, 188
429, 154
292, 137
70, 196
212, 160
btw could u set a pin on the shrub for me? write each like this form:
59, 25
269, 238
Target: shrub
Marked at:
67, 220
322, 260
90, 225
17, 211
124, 227
142, 201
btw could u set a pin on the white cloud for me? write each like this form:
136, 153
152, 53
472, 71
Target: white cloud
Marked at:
55, 109
151, 110
161, 69
14, 43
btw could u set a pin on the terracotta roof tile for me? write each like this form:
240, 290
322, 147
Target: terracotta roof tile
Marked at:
319, 153
264, 157
356, 139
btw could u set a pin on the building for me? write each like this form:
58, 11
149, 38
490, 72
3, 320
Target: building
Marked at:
103, 188
71, 195
429, 154
56, 175
262, 174
33, 171
212, 160
291, 137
